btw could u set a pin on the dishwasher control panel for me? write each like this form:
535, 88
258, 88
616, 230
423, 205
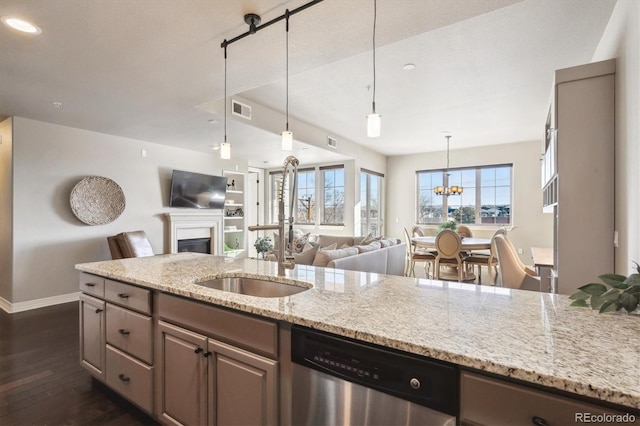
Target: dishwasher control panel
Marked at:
427, 382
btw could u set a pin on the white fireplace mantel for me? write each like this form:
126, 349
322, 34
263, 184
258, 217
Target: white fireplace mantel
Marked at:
188, 225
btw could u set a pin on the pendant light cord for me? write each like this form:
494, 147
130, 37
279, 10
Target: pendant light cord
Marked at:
225, 91
286, 14
375, 16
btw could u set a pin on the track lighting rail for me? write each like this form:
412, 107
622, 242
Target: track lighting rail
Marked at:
255, 29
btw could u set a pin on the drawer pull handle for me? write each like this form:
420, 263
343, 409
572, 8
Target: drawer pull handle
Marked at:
198, 350
90, 284
123, 331
98, 310
123, 377
207, 354
123, 295
539, 421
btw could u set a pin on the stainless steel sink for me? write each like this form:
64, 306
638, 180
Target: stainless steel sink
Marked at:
253, 287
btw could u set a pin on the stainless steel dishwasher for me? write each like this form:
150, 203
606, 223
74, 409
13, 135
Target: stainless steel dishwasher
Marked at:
338, 381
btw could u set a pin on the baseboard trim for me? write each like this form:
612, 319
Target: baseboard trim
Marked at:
12, 308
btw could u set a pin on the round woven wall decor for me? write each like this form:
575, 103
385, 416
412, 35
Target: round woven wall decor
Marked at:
97, 200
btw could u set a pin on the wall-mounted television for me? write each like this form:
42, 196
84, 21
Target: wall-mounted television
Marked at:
197, 191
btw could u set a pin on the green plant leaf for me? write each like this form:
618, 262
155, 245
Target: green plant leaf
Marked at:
637, 267
614, 280
609, 306
611, 294
633, 279
596, 301
581, 303
628, 302
633, 289
594, 289
581, 295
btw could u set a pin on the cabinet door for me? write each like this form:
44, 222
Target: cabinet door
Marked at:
183, 376
243, 387
92, 332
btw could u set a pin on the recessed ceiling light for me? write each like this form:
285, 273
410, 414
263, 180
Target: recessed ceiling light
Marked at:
215, 147
409, 67
20, 25
57, 104
213, 121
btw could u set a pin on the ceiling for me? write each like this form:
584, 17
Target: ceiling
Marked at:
144, 70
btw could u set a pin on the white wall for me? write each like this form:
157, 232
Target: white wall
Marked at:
48, 240
530, 227
621, 40
6, 208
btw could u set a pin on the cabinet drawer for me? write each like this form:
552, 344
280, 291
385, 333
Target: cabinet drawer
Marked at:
488, 401
130, 377
92, 284
130, 332
129, 296
243, 330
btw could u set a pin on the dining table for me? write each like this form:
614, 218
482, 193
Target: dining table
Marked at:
468, 244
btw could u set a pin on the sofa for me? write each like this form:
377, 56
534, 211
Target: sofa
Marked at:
365, 254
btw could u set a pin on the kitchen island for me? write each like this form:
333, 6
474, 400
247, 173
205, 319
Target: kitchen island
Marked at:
535, 338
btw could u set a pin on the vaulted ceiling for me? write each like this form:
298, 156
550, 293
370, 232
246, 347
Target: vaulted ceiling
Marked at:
144, 69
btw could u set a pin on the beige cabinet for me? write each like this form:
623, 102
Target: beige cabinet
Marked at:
116, 337
488, 401
578, 173
205, 381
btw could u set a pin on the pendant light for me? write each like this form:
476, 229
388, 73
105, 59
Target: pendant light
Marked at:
374, 119
287, 136
448, 190
225, 147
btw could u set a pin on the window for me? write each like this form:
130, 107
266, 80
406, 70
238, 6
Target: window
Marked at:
371, 202
306, 197
486, 198
333, 197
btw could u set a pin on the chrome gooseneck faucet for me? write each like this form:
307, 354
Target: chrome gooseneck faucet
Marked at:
285, 260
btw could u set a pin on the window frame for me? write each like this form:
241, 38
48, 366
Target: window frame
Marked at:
478, 193
323, 206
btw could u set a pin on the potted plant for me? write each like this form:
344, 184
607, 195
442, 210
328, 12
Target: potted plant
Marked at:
623, 292
449, 224
263, 245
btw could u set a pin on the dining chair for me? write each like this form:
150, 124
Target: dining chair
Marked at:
448, 245
414, 254
513, 273
418, 231
464, 231
488, 259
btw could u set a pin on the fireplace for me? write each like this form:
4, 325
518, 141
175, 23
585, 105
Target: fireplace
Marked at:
195, 245
192, 229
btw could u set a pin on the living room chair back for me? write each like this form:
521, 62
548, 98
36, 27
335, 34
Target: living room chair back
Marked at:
130, 244
448, 245
414, 256
512, 273
464, 231
417, 231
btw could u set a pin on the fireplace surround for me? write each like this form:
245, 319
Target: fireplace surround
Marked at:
195, 225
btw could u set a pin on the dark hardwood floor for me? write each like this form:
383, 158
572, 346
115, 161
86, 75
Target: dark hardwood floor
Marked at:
41, 380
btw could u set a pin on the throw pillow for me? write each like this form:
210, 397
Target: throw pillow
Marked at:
323, 257
333, 246
369, 239
385, 243
298, 243
367, 248
308, 254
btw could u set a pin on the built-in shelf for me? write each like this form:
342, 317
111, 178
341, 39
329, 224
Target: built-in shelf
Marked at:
235, 239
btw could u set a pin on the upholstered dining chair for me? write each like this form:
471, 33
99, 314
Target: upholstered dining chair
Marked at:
418, 231
448, 245
414, 255
130, 244
490, 260
464, 231
513, 273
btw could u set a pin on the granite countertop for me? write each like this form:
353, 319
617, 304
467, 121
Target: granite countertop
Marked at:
530, 336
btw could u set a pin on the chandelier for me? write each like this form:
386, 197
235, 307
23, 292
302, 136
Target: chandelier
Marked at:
448, 190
